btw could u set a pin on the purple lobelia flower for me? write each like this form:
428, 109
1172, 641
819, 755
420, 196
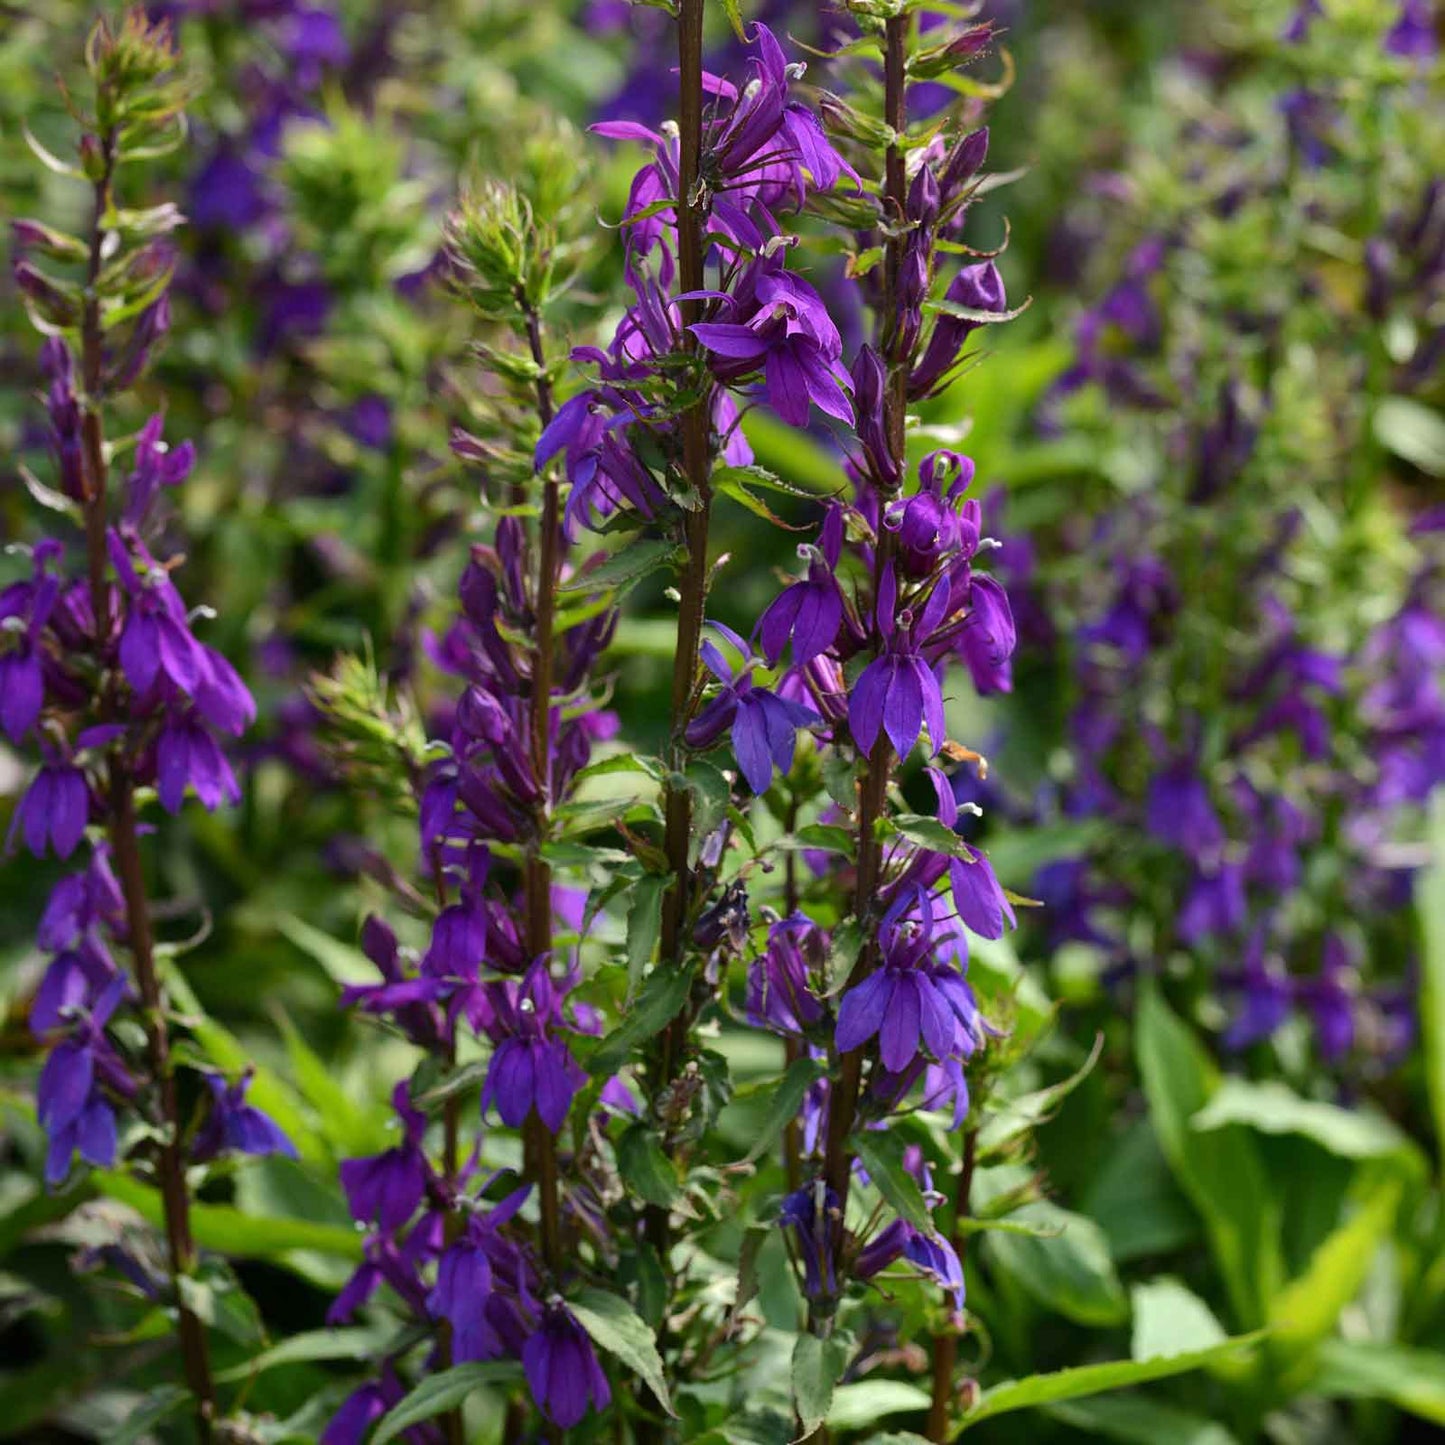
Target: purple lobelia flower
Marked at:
809, 612
813, 1216
898, 691
781, 993
54, 811
233, 1125
982, 905
783, 331
387, 1188
764, 725
529, 1069
562, 1368
1412, 36
911, 1000
25, 609
930, 1254
1266, 996
1179, 811
187, 756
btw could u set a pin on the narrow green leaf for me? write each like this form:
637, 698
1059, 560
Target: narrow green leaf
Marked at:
441, 1392
616, 1327
1012, 1117
663, 994
626, 566
931, 834
1084, 1380
644, 925
1413, 1380
312, 1346
344, 963
162, 1402
1430, 901
1138, 1420
787, 1099
882, 1157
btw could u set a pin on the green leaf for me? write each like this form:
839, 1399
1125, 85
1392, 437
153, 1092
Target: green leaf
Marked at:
310, 1347
882, 1157
827, 837
791, 453
344, 963
1307, 1309
977, 314
1138, 1420
1135, 1201
735, 19
857, 1406
1413, 431
441, 1392
787, 1099
1412, 1380
1069, 1271
229, 1231
625, 567
1274, 1108
817, 1367
663, 994
1170, 1319
929, 833
644, 1168
644, 925
159, 1405
1084, 1380
613, 1325
352, 1129
1220, 1171
1009, 1118
730, 482
1430, 901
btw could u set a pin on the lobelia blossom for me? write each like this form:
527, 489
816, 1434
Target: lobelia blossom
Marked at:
233, 1125
529, 1070
763, 725
562, 1369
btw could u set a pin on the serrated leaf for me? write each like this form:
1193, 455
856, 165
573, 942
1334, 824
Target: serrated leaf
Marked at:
662, 996
858, 1405
644, 1168
944, 307
618, 1329
1068, 1270
1085, 1380
1138, 1420
441, 1392
624, 568
818, 1365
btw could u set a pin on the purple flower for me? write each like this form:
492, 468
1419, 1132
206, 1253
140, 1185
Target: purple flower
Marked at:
1412, 36
764, 726
234, 1126
988, 637
976, 288
528, 1069
982, 904
187, 756
54, 811
1178, 811
157, 638
813, 1215
808, 613
1215, 904
386, 1188
930, 1254
562, 1369
909, 999
898, 690
1267, 995
781, 996
786, 334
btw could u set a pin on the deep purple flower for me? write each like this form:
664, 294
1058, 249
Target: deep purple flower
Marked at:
977, 288
1179, 811
234, 1126
54, 811
386, 1188
563, 1373
1215, 904
1412, 36
781, 995
187, 756
529, 1069
930, 1255
813, 1215
1267, 995
786, 333
808, 613
898, 691
764, 725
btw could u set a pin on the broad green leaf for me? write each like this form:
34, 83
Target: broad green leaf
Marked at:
787, 1099
882, 1156
1085, 1380
624, 567
818, 1365
929, 833
1138, 1420
1069, 1271
1306, 1310
1430, 901
1135, 1200
229, 1231
663, 994
1220, 1171
441, 1392
644, 1168
1274, 1108
859, 1405
614, 1325
1170, 1319
1413, 1380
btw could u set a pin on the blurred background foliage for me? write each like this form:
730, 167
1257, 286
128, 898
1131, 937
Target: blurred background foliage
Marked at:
321, 368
